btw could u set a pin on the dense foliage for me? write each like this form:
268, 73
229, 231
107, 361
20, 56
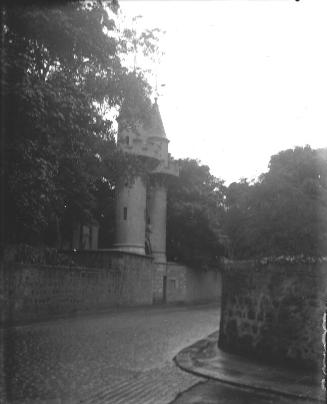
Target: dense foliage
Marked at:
285, 211
61, 72
195, 208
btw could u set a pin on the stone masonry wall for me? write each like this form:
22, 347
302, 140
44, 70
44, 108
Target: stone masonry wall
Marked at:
203, 286
176, 283
41, 287
185, 284
274, 311
35, 291
159, 272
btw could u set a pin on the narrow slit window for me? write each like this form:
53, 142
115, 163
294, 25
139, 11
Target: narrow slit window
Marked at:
125, 213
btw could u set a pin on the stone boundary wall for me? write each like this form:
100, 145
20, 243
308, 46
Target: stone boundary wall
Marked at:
159, 272
41, 287
274, 311
203, 286
35, 291
103, 258
189, 285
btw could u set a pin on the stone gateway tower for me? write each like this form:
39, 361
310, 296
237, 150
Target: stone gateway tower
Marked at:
141, 204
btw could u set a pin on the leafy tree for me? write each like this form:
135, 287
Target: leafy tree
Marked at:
236, 218
285, 211
61, 72
195, 204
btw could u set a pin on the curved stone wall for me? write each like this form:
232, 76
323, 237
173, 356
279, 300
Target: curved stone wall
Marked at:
274, 311
130, 216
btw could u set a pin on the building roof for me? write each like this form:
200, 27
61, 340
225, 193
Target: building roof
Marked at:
151, 122
156, 125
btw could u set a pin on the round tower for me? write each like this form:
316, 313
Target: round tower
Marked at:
130, 216
157, 205
157, 219
131, 193
141, 211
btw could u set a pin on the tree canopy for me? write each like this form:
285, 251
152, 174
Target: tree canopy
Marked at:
285, 211
194, 211
62, 71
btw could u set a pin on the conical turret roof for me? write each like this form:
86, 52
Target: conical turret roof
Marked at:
156, 125
148, 121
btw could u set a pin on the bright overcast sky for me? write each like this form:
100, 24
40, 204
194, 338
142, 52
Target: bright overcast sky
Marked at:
244, 79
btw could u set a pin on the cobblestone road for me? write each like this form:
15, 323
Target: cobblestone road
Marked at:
118, 357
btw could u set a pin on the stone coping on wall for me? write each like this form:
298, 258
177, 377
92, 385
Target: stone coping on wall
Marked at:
195, 268
108, 251
308, 267
73, 267
36, 255
282, 260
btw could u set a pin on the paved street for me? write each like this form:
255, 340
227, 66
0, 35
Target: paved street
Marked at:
213, 392
118, 357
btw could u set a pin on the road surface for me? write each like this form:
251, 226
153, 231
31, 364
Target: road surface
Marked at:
214, 392
124, 356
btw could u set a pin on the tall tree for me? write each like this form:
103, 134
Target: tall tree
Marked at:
61, 71
285, 211
195, 203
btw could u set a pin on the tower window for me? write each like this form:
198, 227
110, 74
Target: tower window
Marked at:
127, 140
125, 213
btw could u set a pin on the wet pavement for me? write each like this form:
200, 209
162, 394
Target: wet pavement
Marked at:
238, 379
214, 392
116, 357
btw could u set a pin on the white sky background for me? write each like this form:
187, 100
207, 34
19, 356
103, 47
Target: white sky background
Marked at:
244, 79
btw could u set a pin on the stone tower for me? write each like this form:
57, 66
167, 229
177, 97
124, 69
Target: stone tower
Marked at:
141, 206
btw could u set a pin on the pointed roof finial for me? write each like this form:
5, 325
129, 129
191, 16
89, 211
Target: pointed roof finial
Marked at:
156, 90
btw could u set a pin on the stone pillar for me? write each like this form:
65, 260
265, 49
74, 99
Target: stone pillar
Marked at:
130, 216
157, 225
